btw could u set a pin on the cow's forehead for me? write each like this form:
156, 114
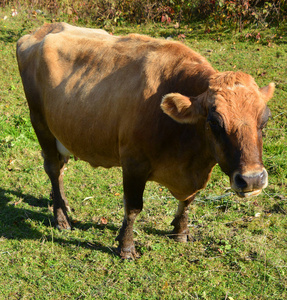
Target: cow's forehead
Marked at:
236, 94
231, 79
239, 100
236, 97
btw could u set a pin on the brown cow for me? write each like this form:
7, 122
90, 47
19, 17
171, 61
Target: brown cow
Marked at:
154, 107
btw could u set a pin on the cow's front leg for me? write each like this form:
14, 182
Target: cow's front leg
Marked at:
134, 184
180, 232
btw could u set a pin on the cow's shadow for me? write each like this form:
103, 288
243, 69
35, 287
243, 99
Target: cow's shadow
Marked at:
13, 223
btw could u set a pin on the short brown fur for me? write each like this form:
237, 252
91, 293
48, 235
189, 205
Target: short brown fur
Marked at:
152, 106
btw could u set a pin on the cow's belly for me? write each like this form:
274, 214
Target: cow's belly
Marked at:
97, 147
92, 155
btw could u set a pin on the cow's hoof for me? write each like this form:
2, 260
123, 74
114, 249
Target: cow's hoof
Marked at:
63, 224
61, 227
181, 237
128, 253
61, 219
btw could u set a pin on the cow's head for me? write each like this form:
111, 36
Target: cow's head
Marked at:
235, 112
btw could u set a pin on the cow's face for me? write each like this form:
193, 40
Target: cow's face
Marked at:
235, 112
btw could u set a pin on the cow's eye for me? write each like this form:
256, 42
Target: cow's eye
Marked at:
215, 122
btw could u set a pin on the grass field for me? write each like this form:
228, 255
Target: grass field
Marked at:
239, 247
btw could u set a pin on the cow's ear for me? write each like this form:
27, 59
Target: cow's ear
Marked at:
183, 109
267, 91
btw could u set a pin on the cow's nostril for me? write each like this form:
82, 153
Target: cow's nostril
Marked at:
240, 182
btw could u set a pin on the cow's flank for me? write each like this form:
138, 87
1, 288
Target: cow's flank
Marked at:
154, 107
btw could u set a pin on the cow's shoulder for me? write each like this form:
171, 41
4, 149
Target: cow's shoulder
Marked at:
160, 50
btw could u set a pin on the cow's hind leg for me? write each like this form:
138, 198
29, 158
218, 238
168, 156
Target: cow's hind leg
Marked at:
54, 167
134, 184
180, 232
54, 164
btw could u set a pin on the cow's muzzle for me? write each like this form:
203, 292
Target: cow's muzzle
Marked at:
249, 183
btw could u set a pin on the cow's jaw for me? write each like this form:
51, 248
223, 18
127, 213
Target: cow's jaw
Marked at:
248, 194
249, 183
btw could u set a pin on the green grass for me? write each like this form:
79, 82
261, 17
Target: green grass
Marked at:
239, 247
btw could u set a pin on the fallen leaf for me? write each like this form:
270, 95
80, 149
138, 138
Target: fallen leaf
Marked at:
165, 285
181, 36
104, 221
18, 202
11, 161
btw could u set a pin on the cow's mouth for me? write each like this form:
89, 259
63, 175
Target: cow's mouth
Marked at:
248, 194
249, 183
